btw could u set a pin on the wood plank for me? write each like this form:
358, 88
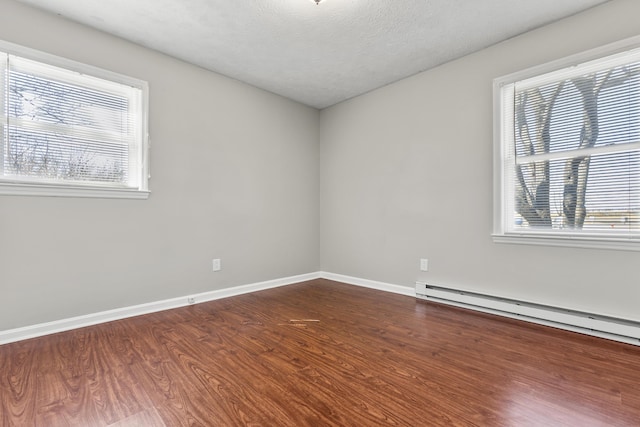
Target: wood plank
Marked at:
319, 353
18, 384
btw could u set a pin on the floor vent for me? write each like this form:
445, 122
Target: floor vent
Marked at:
602, 326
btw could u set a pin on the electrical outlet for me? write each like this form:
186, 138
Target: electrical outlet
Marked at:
191, 300
424, 264
216, 265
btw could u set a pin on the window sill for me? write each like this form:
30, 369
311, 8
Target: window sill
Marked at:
571, 242
22, 189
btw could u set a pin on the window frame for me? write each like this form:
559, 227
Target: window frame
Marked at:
16, 187
501, 136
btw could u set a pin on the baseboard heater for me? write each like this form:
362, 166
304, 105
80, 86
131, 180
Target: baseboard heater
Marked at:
601, 326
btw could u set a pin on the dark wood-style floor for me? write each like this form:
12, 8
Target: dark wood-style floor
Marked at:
314, 354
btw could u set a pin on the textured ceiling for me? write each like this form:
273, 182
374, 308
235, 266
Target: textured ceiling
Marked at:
321, 54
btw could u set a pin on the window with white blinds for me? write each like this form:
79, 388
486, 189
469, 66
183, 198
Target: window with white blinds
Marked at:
70, 129
567, 152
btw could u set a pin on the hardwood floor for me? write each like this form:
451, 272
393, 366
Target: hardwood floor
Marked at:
314, 354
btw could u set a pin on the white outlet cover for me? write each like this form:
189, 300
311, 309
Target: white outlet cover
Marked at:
424, 264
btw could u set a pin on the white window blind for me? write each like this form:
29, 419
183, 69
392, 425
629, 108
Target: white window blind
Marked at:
68, 128
568, 145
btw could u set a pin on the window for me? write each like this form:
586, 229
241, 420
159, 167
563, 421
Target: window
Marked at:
567, 151
69, 129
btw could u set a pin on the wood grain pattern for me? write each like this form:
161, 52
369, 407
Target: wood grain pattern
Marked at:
319, 353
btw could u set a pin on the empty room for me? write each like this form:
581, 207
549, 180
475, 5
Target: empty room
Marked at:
319, 213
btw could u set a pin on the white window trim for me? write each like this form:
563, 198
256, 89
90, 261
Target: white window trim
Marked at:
500, 235
53, 190
17, 188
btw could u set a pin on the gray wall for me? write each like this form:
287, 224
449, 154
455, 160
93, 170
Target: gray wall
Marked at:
234, 176
406, 173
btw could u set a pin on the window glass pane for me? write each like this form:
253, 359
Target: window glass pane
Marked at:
60, 131
41, 99
54, 156
611, 197
552, 117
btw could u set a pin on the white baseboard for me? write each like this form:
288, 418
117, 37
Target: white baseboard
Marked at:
33, 331
501, 308
371, 284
